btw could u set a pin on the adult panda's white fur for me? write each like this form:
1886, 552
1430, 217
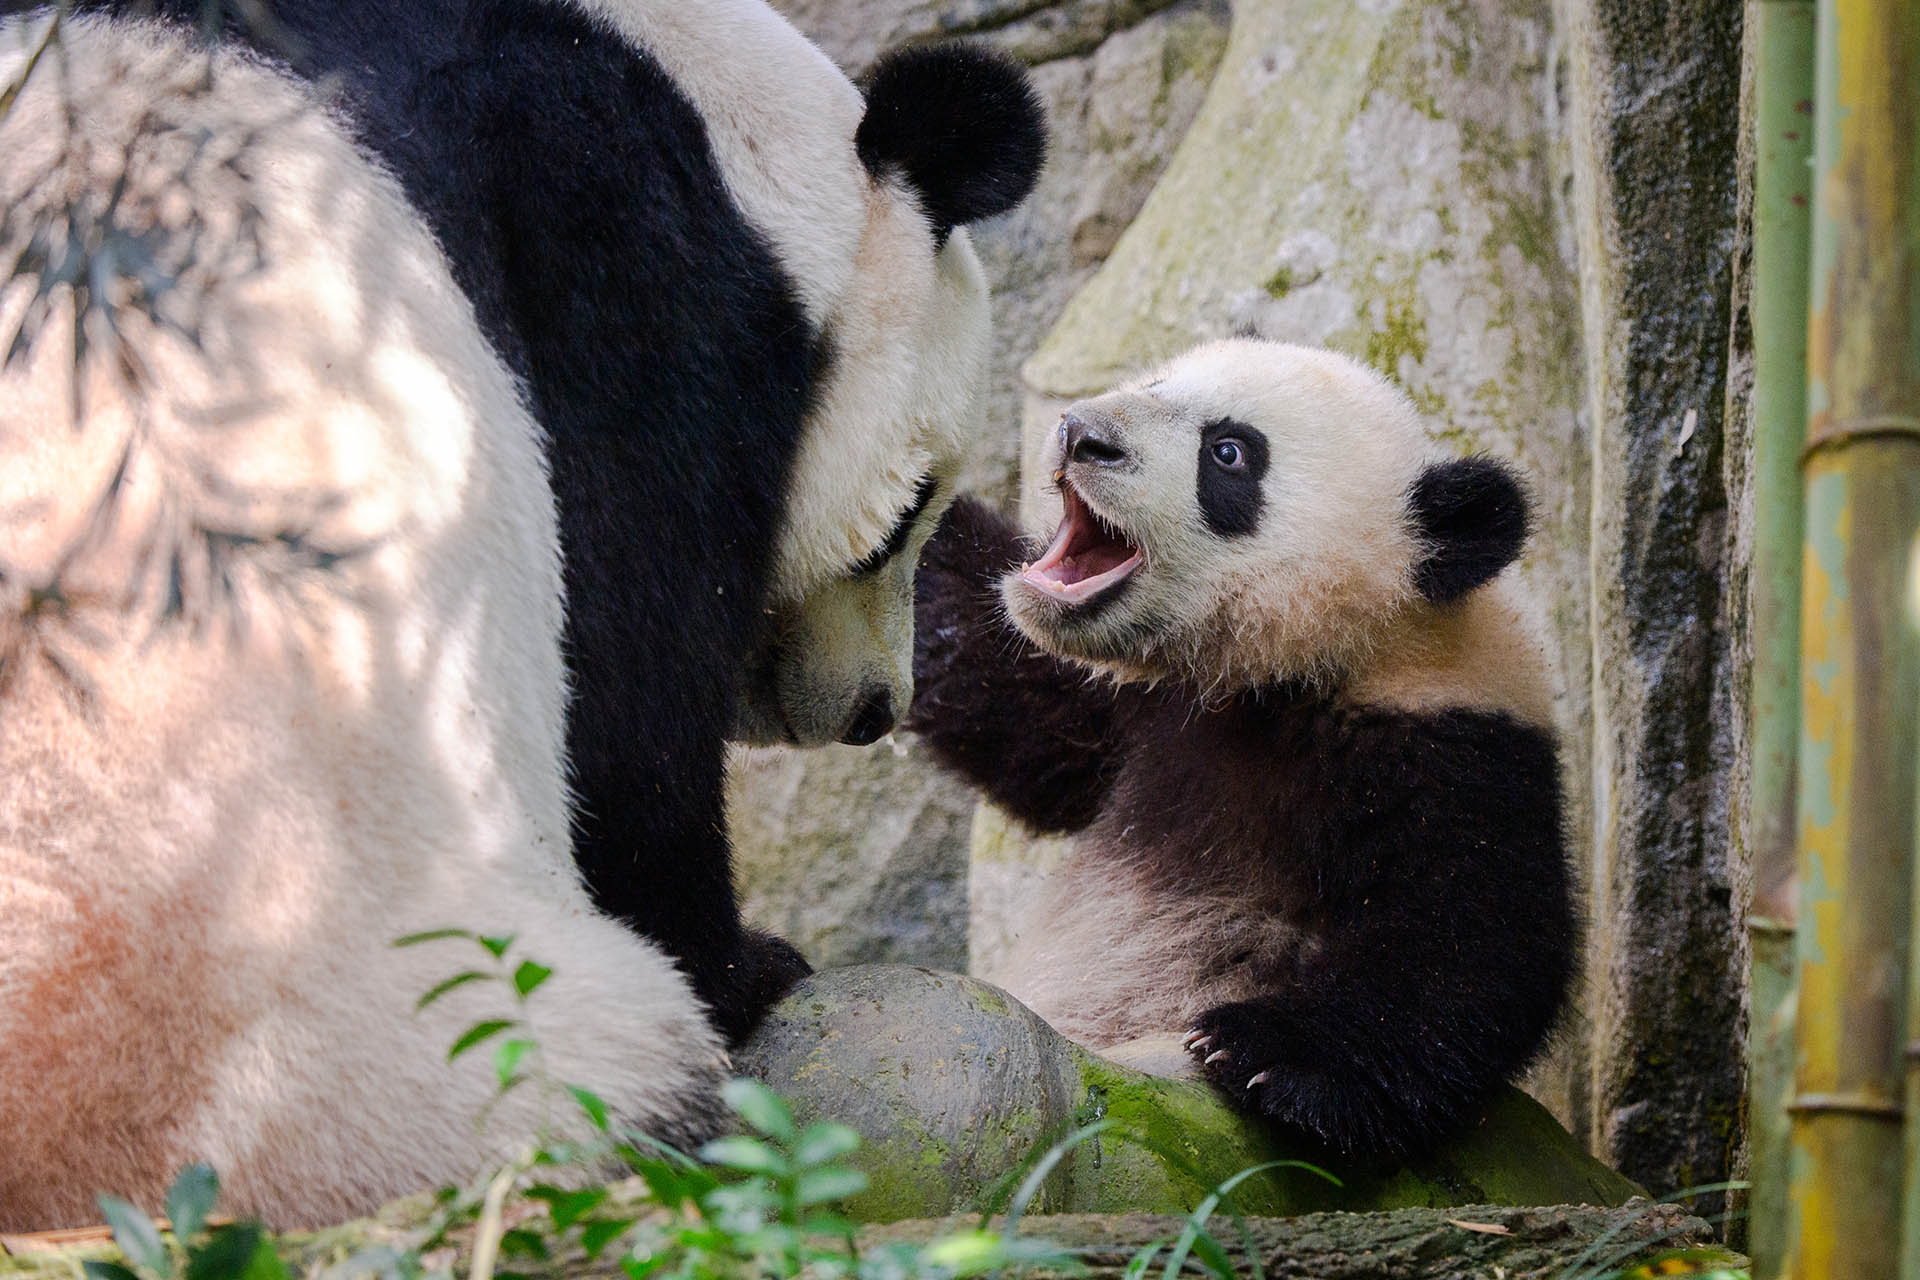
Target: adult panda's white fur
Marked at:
737, 296
1316, 801
291, 689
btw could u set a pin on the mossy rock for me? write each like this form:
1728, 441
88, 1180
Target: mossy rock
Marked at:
954, 1085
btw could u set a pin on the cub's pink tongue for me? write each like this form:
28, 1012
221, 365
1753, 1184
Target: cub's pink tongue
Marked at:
1084, 558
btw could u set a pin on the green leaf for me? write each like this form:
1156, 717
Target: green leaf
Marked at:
749, 1155
431, 935
965, 1253
522, 1242
597, 1235
506, 1059
1212, 1255
1190, 1235
760, 1107
528, 977
191, 1199
136, 1235
1137, 1265
458, 980
641, 1268
567, 1207
497, 944
1043, 1167
476, 1033
241, 1251
591, 1103
823, 1186
96, 1270
824, 1142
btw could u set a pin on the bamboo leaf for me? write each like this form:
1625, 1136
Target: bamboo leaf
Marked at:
528, 977
457, 981
476, 1033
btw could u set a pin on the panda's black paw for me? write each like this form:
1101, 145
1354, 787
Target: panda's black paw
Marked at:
1242, 1051
766, 968
1312, 1086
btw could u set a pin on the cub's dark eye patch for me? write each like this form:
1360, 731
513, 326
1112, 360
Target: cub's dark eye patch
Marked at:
902, 528
1232, 475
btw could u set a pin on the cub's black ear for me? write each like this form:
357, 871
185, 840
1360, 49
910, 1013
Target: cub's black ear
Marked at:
960, 123
1474, 516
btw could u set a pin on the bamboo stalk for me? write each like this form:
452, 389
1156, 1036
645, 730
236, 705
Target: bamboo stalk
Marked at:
1782, 35
1860, 664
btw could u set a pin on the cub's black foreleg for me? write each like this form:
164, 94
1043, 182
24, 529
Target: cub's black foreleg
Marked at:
1444, 937
1035, 733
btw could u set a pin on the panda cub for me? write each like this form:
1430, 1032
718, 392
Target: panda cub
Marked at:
1317, 801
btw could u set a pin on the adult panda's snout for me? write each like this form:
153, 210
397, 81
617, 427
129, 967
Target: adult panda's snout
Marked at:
872, 722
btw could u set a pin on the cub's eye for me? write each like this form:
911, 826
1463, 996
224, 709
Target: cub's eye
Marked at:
1229, 454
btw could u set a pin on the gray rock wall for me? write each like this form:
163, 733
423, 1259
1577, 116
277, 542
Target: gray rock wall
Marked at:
1653, 121
1522, 210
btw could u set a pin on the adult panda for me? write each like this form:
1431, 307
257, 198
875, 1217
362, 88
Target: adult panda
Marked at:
1317, 805
281, 588
752, 328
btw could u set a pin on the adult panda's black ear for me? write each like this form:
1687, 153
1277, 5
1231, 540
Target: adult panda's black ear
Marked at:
961, 123
1474, 516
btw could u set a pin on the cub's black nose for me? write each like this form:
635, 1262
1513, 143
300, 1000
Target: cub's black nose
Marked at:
1089, 442
872, 722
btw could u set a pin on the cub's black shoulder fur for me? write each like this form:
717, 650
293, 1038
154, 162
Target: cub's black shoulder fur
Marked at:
667, 356
1420, 853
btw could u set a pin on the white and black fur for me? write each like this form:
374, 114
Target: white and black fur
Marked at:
750, 327
280, 681
284, 658
1317, 807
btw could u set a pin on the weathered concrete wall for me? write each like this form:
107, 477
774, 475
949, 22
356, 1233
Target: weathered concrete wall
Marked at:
862, 855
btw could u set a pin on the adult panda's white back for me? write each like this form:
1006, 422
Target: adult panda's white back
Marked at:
293, 688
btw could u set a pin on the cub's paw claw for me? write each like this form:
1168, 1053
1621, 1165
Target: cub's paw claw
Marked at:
1243, 1052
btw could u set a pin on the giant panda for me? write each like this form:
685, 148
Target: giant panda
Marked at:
1271, 674
743, 302
289, 619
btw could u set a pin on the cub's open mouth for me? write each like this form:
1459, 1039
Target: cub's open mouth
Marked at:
1087, 559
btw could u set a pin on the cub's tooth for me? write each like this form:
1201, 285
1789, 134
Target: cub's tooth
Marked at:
1260, 1079
1216, 1056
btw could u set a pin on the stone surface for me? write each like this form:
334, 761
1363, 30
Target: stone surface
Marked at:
1654, 141
859, 855
953, 1083
863, 855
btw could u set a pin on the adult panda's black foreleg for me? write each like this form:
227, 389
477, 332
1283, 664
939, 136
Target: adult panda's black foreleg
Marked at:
1443, 932
672, 365
1035, 733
